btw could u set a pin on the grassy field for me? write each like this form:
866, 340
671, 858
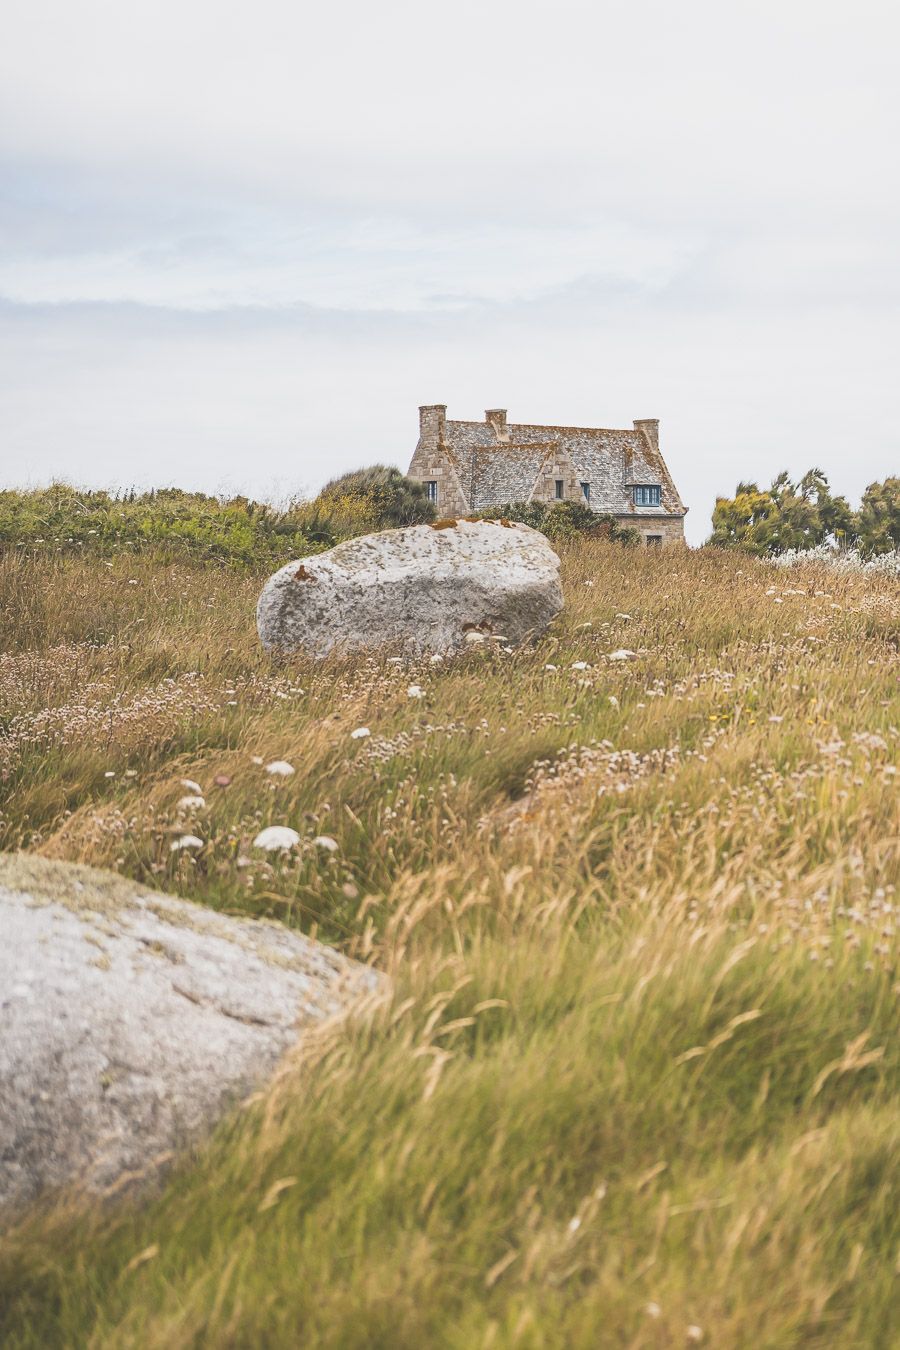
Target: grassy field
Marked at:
638, 1082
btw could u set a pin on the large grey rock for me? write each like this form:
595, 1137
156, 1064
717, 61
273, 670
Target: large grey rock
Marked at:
129, 1021
421, 589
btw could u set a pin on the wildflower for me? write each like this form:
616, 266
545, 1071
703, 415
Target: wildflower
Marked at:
613, 700
436, 659
279, 768
580, 665
222, 780
475, 638
189, 841
110, 773
276, 837
551, 667
325, 841
695, 1333
193, 803
192, 786
623, 654
415, 691
360, 734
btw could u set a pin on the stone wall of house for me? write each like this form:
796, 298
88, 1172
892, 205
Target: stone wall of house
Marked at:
435, 465
558, 466
671, 530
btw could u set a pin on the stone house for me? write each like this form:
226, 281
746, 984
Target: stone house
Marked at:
472, 466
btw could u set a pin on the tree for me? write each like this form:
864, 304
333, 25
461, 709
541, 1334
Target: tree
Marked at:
788, 515
878, 520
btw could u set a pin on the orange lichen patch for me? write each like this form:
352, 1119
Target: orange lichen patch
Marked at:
444, 524
484, 627
302, 574
505, 522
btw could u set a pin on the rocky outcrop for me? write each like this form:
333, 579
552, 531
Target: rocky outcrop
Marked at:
130, 1021
420, 589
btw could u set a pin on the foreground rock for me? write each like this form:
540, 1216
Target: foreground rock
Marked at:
129, 1021
421, 589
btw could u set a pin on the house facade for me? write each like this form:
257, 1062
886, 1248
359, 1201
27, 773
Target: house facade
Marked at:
472, 466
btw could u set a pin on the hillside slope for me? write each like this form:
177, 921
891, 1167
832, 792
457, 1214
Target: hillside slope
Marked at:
638, 1083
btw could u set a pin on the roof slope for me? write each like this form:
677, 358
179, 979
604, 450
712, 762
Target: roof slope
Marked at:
495, 468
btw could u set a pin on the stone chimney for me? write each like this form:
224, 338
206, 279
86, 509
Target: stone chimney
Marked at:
497, 418
650, 427
432, 423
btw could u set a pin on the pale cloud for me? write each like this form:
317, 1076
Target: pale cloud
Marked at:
239, 245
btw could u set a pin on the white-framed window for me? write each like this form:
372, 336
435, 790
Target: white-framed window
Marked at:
560, 488
431, 489
586, 491
647, 495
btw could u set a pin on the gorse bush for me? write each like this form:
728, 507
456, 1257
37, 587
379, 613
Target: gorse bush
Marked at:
365, 500
564, 520
168, 522
192, 525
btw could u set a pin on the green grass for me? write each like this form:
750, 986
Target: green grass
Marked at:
637, 1084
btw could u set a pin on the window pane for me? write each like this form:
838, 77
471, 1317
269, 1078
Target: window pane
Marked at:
559, 487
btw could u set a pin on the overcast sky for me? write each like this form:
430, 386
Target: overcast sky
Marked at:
241, 243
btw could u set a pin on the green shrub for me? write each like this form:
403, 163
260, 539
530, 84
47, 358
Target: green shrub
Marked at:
564, 520
168, 522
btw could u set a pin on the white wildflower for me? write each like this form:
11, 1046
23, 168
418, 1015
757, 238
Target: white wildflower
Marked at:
360, 734
190, 841
580, 665
325, 841
415, 691
193, 803
276, 837
279, 768
192, 786
623, 654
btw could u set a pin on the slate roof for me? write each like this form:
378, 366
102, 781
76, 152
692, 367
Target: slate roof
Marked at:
494, 468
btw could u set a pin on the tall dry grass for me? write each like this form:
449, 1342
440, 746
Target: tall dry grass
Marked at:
638, 1081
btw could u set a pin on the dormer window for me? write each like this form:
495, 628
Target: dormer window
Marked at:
647, 496
586, 491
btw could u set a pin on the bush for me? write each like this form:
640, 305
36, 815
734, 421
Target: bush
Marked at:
376, 498
564, 520
168, 522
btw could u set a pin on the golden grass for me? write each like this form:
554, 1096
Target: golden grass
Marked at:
638, 1082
